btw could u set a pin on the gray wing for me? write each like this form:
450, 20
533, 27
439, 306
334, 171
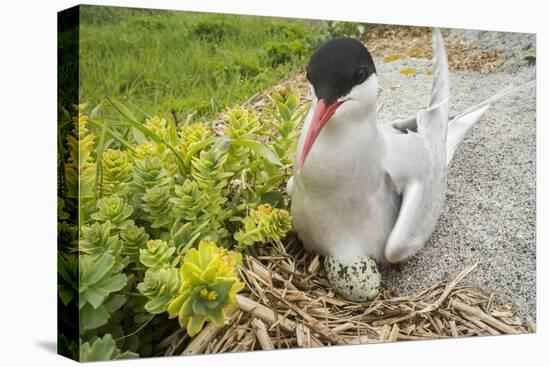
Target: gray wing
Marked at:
417, 165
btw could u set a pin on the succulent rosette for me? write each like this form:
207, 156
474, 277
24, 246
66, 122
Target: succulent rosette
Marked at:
114, 209
209, 284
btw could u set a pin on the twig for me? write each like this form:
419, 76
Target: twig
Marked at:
490, 320
262, 335
199, 343
449, 288
312, 322
480, 324
263, 312
394, 333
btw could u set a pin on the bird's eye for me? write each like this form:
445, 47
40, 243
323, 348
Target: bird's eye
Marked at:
360, 76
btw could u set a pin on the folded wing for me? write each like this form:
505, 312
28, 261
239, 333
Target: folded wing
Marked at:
417, 164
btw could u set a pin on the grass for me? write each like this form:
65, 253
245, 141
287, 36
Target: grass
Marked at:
192, 63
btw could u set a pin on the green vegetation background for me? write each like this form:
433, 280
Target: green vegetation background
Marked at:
192, 63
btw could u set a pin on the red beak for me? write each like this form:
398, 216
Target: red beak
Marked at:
321, 115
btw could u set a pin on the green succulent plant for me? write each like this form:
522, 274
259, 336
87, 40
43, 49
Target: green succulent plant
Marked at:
100, 277
190, 201
67, 285
160, 286
241, 128
208, 172
61, 213
116, 172
115, 210
97, 239
158, 125
157, 255
134, 239
193, 133
262, 225
80, 168
67, 237
142, 151
149, 211
209, 284
81, 142
286, 124
194, 138
104, 349
158, 206
242, 123
148, 173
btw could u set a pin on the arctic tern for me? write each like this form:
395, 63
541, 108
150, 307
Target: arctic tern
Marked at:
361, 188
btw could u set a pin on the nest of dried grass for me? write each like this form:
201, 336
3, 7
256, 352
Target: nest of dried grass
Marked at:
288, 303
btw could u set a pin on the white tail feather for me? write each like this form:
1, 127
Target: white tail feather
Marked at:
463, 122
460, 127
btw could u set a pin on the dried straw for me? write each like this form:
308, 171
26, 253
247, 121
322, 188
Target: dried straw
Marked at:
288, 303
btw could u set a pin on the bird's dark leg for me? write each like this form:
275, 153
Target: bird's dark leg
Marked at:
395, 266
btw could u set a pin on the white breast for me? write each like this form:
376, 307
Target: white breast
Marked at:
343, 202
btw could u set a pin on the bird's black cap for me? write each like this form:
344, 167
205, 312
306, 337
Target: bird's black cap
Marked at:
337, 66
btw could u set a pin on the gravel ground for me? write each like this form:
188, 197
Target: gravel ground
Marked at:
513, 46
490, 210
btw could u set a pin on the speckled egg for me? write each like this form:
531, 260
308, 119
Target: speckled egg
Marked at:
356, 281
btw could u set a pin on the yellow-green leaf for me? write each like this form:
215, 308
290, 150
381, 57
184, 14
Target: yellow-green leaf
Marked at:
195, 325
218, 317
262, 150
